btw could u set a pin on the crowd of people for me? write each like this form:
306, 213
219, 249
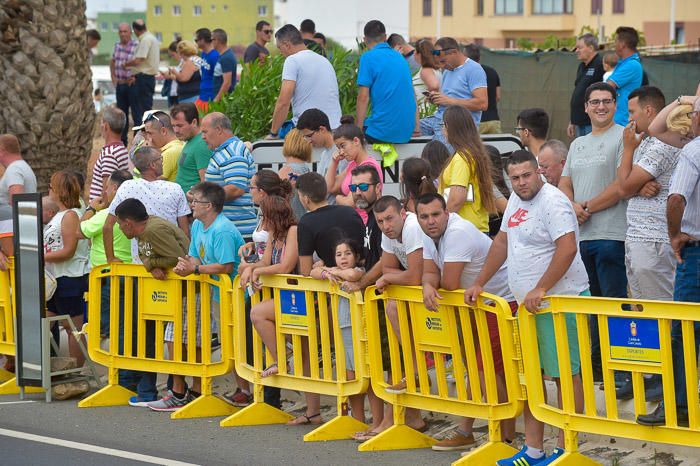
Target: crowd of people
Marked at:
616, 214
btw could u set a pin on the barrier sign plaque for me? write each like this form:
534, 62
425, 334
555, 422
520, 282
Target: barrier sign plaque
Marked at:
293, 308
634, 339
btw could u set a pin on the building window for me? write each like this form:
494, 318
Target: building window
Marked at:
552, 7
510, 43
225, 7
177, 10
197, 10
157, 10
680, 33
479, 7
262, 10
509, 7
596, 7
618, 6
115, 26
104, 26
427, 7
447, 7
212, 8
159, 36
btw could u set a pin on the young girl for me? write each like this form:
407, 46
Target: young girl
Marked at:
348, 257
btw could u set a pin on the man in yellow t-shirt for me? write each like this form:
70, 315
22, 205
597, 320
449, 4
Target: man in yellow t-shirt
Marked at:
460, 188
160, 134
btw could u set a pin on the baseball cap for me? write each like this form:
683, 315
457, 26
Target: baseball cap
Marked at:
146, 116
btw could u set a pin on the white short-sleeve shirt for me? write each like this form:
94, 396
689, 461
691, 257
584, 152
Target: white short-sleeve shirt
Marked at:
463, 242
532, 227
411, 240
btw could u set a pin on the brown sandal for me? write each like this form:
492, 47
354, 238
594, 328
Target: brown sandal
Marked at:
305, 420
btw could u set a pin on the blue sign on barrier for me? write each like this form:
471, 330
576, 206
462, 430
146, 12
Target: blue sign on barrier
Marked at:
634, 339
293, 308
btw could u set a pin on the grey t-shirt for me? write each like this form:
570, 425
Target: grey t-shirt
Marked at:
298, 168
18, 172
592, 165
316, 85
253, 52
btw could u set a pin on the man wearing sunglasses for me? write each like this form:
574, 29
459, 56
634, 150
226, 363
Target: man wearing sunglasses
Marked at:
257, 50
463, 84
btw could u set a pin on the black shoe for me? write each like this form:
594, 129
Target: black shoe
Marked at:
625, 392
658, 418
215, 344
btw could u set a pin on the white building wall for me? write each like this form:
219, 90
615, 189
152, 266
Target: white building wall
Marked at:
344, 20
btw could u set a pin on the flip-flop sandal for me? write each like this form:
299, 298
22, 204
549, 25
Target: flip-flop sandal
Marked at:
272, 369
306, 420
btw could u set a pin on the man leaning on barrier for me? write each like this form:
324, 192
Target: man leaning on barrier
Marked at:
539, 238
454, 252
683, 215
160, 243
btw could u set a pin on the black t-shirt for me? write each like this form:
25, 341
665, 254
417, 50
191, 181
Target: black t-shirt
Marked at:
373, 242
492, 82
319, 230
585, 76
253, 52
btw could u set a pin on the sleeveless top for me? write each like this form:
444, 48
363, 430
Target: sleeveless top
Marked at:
76, 266
190, 88
259, 237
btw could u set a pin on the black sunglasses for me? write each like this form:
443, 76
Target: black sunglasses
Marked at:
361, 186
438, 52
267, 31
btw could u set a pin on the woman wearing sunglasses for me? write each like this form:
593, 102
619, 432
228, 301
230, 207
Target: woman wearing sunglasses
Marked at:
350, 142
466, 182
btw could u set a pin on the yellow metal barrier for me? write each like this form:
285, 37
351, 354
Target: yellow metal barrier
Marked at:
449, 331
139, 302
635, 336
8, 381
305, 313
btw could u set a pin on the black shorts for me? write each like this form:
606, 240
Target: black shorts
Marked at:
69, 296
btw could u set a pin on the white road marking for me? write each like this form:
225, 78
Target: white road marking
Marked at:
92, 448
15, 402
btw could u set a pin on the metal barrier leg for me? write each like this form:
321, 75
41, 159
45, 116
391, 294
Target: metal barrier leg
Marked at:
398, 437
111, 395
6, 375
342, 427
257, 414
10, 387
206, 405
489, 452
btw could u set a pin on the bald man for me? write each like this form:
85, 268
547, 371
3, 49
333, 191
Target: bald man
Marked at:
551, 160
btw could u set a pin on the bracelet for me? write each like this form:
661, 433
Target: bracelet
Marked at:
274, 134
196, 269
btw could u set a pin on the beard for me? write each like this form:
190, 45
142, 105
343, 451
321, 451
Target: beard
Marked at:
361, 204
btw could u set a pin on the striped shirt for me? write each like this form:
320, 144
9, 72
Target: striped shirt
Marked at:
232, 164
686, 182
113, 156
122, 54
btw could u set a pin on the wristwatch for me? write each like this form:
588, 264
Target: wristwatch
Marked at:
196, 269
274, 135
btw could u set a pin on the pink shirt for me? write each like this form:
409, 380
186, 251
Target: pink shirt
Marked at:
345, 187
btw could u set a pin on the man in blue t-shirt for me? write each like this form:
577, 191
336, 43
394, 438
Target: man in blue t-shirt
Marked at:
385, 79
628, 72
225, 69
210, 56
213, 250
463, 84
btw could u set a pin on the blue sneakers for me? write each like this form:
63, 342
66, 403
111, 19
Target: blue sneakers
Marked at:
522, 459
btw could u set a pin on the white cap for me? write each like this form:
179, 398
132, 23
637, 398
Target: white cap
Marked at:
146, 115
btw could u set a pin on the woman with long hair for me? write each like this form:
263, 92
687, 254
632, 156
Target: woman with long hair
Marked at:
66, 256
466, 181
429, 73
415, 181
350, 141
280, 257
437, 155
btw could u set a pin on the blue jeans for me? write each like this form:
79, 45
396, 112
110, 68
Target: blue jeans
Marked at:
687, 289
605, 264
582, 130
432, 126
145, 86
126, 100
144, 383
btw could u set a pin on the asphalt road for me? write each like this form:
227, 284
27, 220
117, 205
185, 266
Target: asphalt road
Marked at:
130, 432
